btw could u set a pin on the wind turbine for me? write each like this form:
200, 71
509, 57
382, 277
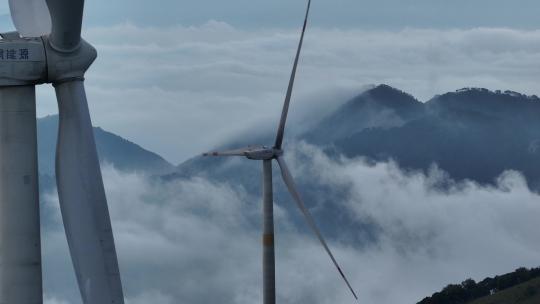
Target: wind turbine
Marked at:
266, 155
48, 48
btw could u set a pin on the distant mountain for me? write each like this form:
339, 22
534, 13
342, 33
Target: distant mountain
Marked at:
471, 134
113, 149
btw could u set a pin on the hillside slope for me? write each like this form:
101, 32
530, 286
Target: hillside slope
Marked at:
520, 286
112, 149
525, 293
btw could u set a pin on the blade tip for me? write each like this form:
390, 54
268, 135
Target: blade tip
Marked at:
354, 294
210, 154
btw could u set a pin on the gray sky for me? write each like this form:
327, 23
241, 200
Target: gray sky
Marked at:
340, 13
368, 14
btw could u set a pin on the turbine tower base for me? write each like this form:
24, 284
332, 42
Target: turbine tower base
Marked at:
20, 244
269, 276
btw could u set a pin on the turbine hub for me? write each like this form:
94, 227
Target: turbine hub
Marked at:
68, 65
263, 153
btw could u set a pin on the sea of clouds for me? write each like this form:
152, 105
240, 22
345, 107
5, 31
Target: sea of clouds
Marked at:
184, 89
192, 241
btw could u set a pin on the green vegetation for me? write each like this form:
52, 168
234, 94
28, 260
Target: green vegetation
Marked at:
525, 293
497, 290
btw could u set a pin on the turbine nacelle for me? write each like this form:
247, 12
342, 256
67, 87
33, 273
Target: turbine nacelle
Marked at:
31, 61
251, 152
264, 154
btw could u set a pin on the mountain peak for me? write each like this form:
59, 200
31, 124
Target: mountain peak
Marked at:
382, 106
386, 96
384, 92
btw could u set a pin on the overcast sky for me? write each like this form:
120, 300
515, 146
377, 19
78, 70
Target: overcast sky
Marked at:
336, 13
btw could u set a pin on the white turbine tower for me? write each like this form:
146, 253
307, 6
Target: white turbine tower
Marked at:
266, 155
48, 49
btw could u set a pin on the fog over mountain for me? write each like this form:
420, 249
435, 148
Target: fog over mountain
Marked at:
472, 133
411, 196
195, 240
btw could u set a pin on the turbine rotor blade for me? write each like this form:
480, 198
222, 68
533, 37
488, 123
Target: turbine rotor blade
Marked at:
285, 111
289, 182
30, 17
66, 18
82, 200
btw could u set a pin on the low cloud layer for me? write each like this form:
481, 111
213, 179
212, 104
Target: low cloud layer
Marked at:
194, 241
183, 89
